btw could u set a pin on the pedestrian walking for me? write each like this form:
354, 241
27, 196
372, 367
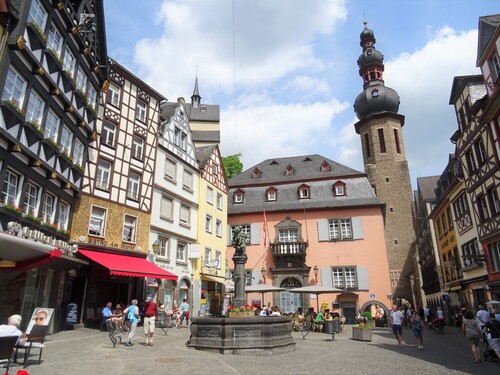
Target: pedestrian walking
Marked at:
472, 332
149, 320
133, 316
184, 310
427, 316
418, 329
396, 320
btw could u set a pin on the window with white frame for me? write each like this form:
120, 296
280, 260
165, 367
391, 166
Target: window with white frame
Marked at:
81, 79
180, 138
134, 181
219, 201
49, 205
340, 229
471, 161
97, 223
11, 187
271, 195
215, 169
210, 195
55, 40
480, 151
494, 202
238, 196
248, 277
344, 277
91, 95
484, 213
208, 224
34, 110
181, 252
166, 208
69, 61
304, 192
108, 134
163, 247
31, 199
37, 14
52, 125
470, 252
288, 235
185, 215
218, 228
170, 169
187, 180
245, 229
63, 215
129, 228
140, 111
14, 88
208, 256
494, 249
114, 95
66, 140
103, 174
78, 151
218, 259
137, 147
495, 67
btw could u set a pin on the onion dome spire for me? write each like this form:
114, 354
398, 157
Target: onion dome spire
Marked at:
376, 97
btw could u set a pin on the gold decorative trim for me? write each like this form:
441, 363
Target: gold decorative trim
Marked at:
96, 69
105, 86
40, 71
74, 30
60, 5
53, 176
21, 42
83, 124
86, 51
37, 163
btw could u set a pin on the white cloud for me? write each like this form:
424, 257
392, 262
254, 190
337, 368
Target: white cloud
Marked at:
272, 39
423, 80
277, 130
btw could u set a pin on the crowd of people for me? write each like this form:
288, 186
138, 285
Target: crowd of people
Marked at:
146, 313
477, 327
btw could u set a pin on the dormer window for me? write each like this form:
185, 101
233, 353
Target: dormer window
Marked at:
374, 92
304, 192
289, 170
256, 173
271, 195
339, 189
325, 167
238, 196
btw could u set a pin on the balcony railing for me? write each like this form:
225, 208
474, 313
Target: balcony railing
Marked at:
289, 249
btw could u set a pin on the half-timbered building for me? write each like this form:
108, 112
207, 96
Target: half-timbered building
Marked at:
484, 182
112, 218
52, 71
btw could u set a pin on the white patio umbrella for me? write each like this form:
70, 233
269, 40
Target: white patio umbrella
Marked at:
263, 288
317, 290
493, 302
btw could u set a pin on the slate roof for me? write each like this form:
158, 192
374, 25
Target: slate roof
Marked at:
487, 28
306, 167
205, 136
427, 186
203, 155
307, 171
205, 112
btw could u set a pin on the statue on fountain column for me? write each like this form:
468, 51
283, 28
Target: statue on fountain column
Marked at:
239, 241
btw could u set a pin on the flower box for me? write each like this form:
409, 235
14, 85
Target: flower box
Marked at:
361, 334
240, 314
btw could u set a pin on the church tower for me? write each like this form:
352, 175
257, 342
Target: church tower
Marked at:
380, 129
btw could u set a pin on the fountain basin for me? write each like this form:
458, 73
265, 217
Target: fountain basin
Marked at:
257, 335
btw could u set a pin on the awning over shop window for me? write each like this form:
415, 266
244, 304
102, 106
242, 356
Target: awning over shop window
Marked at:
123, 265
26, 254
212, 278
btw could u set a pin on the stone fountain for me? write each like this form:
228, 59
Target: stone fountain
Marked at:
263, 335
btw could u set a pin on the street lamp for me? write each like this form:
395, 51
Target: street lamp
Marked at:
155, 246
263, 272
316, 269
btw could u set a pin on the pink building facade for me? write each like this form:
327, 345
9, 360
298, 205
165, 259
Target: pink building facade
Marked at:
308, 221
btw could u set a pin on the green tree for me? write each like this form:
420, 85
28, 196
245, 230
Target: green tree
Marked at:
232, 165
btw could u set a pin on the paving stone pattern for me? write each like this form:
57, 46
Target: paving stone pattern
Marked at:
89, 352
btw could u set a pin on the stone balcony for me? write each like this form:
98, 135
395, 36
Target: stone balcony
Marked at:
289, 249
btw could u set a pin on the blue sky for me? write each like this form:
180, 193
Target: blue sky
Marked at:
292, 68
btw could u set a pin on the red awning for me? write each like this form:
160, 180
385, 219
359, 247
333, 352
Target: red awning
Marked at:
123, 265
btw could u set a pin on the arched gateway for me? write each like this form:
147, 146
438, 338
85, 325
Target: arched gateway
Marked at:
290, 302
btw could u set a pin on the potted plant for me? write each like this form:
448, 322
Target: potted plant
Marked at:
240, 312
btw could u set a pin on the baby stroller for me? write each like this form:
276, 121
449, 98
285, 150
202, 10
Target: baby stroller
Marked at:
488, 352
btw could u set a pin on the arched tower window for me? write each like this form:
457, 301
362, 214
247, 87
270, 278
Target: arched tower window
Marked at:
367, 146
396, 139
381, 140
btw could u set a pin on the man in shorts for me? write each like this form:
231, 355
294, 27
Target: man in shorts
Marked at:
396, 320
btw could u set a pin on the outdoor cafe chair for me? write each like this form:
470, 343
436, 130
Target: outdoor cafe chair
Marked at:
164, 321
115, 333
7, 344
34, 340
